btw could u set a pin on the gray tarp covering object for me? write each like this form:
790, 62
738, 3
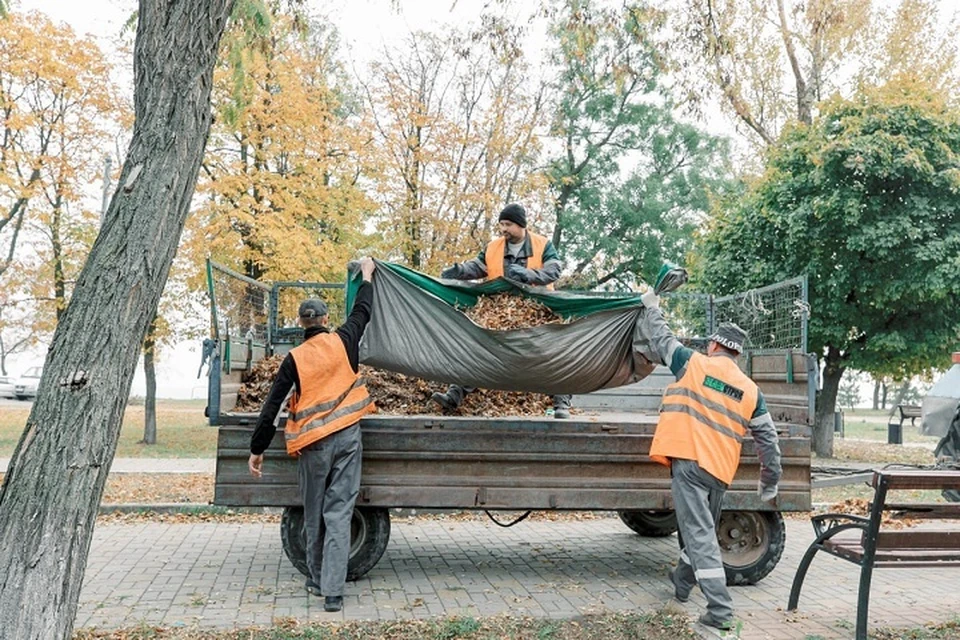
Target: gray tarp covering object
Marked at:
416, 330
948, 452
940, 404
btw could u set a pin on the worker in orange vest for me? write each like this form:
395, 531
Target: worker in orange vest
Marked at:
518, 255
323, 430
704, 417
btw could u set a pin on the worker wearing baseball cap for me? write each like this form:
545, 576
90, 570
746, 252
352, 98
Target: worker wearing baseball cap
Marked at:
704, 417
327, 398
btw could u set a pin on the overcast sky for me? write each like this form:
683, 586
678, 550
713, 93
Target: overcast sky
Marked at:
365, 27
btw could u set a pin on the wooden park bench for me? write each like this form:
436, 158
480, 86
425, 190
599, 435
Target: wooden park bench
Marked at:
863, 541
910, 411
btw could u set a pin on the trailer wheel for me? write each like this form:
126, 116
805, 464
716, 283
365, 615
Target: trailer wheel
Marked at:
751, 543
653, 524
369, 534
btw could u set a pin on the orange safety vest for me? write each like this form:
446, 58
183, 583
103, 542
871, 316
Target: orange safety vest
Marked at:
705, 416
331, 397
495, 251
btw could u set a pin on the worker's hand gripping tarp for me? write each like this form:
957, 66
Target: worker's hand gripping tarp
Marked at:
417, 330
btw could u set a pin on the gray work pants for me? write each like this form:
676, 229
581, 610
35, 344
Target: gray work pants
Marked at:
458, 393
697, 497
329, 476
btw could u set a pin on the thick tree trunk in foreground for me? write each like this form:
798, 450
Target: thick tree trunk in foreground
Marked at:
49, 499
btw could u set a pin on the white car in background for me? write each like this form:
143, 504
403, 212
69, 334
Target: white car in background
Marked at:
6, 386
25, 388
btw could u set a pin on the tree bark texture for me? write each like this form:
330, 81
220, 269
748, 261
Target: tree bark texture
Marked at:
49, 499
827, 404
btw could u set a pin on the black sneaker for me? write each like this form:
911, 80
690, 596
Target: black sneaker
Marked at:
333, 603
444, 400
677, 593
312, 587
561, 414
716, 623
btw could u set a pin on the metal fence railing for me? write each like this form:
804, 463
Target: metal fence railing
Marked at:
244, 310
239, 306
774, 317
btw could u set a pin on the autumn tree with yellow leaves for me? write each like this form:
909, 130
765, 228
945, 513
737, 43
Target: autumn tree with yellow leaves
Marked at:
773, 61
279, 193
456, 119
60, 111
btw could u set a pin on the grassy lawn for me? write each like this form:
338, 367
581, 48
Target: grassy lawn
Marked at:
182, 431
866, 424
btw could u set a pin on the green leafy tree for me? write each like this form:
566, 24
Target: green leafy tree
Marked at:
612, 110
864, 202
849, 393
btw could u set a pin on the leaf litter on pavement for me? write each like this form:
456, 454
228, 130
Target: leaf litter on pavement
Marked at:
660, 625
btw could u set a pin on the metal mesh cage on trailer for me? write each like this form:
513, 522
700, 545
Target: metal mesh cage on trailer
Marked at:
287, 297
688, 314
264, 314
774, 317
239, 306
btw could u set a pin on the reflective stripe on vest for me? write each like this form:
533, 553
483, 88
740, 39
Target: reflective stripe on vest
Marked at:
332, 396
496, 250
705, 416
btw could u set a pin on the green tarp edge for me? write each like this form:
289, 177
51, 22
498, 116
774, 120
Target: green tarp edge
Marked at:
463, 295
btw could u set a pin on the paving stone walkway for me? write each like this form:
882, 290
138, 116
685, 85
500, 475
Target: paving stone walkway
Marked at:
227, 575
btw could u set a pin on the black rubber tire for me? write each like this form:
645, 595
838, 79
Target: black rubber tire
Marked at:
652, 524
369, 535
751, 543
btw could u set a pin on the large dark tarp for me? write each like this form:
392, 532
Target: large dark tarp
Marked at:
417, 329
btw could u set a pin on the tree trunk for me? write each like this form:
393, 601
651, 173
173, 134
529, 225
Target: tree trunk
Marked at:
876, 394
150, 373
902, 392
827, 404
883, 397
49, 499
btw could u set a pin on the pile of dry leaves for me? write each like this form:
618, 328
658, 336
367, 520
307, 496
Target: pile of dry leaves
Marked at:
504, 311
256, 385
397, 394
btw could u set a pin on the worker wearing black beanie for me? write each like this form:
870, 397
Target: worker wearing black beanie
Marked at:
514, 213
519, 256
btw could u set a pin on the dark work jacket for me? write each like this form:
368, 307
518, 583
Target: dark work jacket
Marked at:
350, 333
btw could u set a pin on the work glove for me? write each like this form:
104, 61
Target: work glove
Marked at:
518, 274
451, 273
767, 492
650, 299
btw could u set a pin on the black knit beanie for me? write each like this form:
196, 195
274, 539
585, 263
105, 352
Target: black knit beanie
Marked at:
514, 213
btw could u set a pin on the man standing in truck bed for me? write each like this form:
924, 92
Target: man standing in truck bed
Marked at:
323, 431
518, 255
704, 417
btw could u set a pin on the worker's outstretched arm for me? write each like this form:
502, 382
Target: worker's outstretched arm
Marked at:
664, 343
475, 269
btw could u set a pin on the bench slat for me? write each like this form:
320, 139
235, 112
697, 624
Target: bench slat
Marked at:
897, 558
919, 539
929, 510
922, 479
910, 411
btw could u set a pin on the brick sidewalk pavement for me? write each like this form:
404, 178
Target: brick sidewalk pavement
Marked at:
226, 575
